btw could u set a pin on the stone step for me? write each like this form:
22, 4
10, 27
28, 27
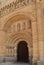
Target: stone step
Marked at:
10, 63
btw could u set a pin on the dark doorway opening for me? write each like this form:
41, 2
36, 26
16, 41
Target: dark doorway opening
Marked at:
22, 52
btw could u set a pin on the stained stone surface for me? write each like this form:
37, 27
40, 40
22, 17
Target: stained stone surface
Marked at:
10, 63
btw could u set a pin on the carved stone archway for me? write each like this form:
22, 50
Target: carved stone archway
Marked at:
14, 38
13, 41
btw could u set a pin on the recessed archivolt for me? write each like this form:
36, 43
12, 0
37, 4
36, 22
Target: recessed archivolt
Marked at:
28, 45
14, 19
20, 36
14, 39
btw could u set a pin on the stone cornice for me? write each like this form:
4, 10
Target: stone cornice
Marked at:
12, 7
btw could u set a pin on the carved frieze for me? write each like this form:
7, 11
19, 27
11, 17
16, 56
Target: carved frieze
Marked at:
13, 6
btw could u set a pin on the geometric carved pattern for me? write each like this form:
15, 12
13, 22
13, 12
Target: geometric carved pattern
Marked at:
13, 6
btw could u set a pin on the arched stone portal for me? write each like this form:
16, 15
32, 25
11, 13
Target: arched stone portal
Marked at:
24, 32
22, 52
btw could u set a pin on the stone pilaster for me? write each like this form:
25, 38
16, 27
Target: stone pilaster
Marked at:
40, 35
35, 42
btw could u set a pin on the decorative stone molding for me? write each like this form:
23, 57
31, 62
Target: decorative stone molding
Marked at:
12, 42
12, 24
13, 6
17, 27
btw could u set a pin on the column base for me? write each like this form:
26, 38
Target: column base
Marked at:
34, 61
40, 62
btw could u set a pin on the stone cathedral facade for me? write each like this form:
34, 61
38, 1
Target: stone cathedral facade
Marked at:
22, 21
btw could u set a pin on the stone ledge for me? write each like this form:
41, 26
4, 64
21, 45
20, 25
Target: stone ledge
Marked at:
7, 59
10, 59
40, 62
